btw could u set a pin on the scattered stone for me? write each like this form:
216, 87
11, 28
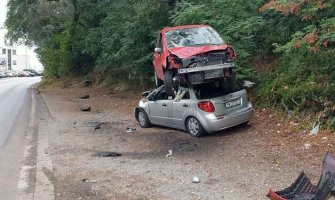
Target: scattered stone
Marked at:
307, 146
96, 125
85, 96
85, 108
195, 179
294, 123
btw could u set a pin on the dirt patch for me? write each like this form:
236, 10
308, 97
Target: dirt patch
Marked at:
238, 163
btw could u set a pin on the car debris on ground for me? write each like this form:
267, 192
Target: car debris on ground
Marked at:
169, 153
85, 96
307, 146
130, 130
303, 189
315, 129
107, 154
248, 84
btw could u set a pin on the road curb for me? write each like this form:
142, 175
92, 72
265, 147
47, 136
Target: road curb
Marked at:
27, 171
34, 180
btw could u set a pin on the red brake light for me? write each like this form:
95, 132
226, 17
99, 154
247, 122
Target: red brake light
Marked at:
206, 106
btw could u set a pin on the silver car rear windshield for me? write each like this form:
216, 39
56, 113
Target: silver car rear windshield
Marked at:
199, 36
216, 89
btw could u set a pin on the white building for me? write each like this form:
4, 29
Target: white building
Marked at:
16, 57
10, 59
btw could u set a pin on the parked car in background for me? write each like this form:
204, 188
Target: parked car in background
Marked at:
197, 109
9, 73
32, 71
21, 74
28, 74
191, 54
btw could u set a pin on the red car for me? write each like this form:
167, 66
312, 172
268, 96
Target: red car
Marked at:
191, 54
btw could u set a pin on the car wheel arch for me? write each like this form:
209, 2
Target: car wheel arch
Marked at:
148, 123
188, 117
137, 111
202, 130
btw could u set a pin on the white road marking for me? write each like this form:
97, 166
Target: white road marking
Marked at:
25, 170
43, 186
26, 153
23, 182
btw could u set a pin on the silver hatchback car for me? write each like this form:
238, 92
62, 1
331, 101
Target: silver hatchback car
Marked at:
197, 109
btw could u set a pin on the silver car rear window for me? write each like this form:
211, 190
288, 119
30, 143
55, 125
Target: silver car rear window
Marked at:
216, 89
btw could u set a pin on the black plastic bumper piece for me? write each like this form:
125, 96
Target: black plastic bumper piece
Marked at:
303, 189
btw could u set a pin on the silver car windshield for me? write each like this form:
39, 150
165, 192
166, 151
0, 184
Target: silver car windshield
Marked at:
200, 36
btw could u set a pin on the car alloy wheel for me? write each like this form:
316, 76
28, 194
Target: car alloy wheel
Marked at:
194, 127
143, 119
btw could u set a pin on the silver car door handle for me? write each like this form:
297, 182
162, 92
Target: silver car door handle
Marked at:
185, 105
164, 104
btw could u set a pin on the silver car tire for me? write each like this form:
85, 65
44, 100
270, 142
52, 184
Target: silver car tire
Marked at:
194, 127
168, 82
143, 119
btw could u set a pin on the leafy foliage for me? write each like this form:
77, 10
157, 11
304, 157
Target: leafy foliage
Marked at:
305, 77
115, 38
123, 42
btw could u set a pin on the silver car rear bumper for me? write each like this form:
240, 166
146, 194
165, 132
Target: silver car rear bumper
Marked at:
212, 124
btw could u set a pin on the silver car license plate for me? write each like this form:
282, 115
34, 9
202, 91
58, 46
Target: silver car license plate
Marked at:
233, 103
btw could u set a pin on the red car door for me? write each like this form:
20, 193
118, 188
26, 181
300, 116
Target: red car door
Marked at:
159, 58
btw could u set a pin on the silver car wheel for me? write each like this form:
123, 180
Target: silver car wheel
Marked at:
193, 126
141, 118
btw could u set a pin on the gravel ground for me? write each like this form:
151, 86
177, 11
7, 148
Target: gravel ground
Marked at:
238, 163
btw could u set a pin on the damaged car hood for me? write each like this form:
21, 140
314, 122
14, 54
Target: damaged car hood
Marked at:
185, 52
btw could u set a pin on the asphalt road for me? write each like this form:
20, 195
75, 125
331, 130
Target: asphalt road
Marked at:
15, 108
